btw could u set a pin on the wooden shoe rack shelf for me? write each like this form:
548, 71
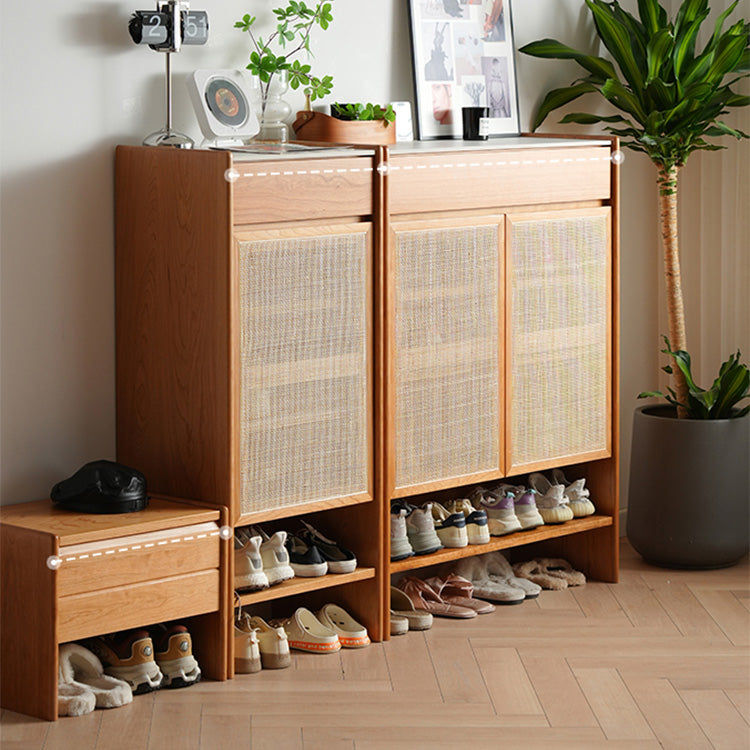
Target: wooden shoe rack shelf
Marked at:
313, 334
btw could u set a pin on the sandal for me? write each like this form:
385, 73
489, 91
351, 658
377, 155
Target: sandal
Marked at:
403, 606
424, 597
550, 573
456, 590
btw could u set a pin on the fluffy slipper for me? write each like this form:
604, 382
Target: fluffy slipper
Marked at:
456, 590
474, 570
74, 699
423, 596
550, 573
498, 568
402, 606
81, 668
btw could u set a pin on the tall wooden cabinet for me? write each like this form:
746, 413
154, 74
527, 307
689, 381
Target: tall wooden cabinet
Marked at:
317, 334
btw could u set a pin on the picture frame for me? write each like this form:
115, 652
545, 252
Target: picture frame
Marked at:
463, 54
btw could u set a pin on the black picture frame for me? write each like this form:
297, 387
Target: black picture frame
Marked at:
464, 55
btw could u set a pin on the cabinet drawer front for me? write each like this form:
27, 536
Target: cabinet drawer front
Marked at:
140, 557
137, 605
492, 179
293, 191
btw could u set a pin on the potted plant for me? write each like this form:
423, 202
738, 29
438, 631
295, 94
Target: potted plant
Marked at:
689, 483
276, 70
349, 123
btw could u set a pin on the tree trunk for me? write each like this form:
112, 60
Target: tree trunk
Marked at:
667, 181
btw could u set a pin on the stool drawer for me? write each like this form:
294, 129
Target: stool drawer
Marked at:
136, 605
106, 564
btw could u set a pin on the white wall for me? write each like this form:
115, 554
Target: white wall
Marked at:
73, 86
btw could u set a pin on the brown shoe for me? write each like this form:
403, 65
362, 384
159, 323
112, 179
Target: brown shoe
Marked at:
423, 596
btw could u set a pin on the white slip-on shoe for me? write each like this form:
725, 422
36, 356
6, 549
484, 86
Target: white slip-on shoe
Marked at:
248, 563
273, 643
577, 494
307, 633
275, 557
351, 633
550, 499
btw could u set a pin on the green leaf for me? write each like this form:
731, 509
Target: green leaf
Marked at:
656, 52
558, 98
551, 48
653, 16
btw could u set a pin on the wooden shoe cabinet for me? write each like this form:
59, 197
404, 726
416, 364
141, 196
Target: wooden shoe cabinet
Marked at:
68, 576
315, 334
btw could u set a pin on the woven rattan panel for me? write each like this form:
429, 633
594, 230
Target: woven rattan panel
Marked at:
304, 369
446, 363
559, 337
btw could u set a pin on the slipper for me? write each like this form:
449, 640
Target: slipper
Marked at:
424, 596
74, 700
498, 568
550, 573
456, 590
403, 606
474, 569
351, 634
82, 669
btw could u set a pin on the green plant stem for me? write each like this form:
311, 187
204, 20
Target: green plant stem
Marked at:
667, 182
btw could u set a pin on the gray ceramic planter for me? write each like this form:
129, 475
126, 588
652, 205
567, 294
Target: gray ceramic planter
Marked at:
689, 489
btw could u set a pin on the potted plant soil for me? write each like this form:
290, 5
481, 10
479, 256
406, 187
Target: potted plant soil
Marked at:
364, 124
690, 463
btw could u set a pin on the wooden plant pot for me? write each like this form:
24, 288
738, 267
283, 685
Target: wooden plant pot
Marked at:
316, 126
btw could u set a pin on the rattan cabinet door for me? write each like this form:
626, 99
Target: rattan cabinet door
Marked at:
446, 366
559, 393
305, 364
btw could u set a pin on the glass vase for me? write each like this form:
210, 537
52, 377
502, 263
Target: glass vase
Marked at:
272, 110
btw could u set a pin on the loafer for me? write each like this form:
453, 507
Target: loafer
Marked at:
351, 634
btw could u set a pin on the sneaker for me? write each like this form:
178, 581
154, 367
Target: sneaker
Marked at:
420, 528
248, 564
351, 634
173, 653
400, 547
450, 527
477, 529
273, 643
130, 657
274, 556
338, 558
305, 559
500, 510
246, 646
306, 633
550, 501
577, 494
524, 505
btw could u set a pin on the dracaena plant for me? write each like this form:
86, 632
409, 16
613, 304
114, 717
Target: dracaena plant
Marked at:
294, 24
670, 97
721, 400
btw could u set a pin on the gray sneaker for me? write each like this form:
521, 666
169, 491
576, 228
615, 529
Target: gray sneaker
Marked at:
420, 529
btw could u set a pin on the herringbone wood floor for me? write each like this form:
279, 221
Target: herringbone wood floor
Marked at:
659, 660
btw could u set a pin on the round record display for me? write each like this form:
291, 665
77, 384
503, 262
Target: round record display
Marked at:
226, 102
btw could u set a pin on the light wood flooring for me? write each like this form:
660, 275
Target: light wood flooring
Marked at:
660, 660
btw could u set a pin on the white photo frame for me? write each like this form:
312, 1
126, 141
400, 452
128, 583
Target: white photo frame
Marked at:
463, 55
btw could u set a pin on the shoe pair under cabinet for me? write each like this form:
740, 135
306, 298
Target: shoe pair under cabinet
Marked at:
314, 335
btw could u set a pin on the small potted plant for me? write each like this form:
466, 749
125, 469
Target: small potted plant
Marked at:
271, 61
349, 123
689, 483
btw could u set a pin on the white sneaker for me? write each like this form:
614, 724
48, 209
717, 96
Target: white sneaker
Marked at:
275, 557
551, 500
498, 505
477, 529
450, 527
273, 644
577, 494
420, 529
248, 564
400, 547
246, 648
